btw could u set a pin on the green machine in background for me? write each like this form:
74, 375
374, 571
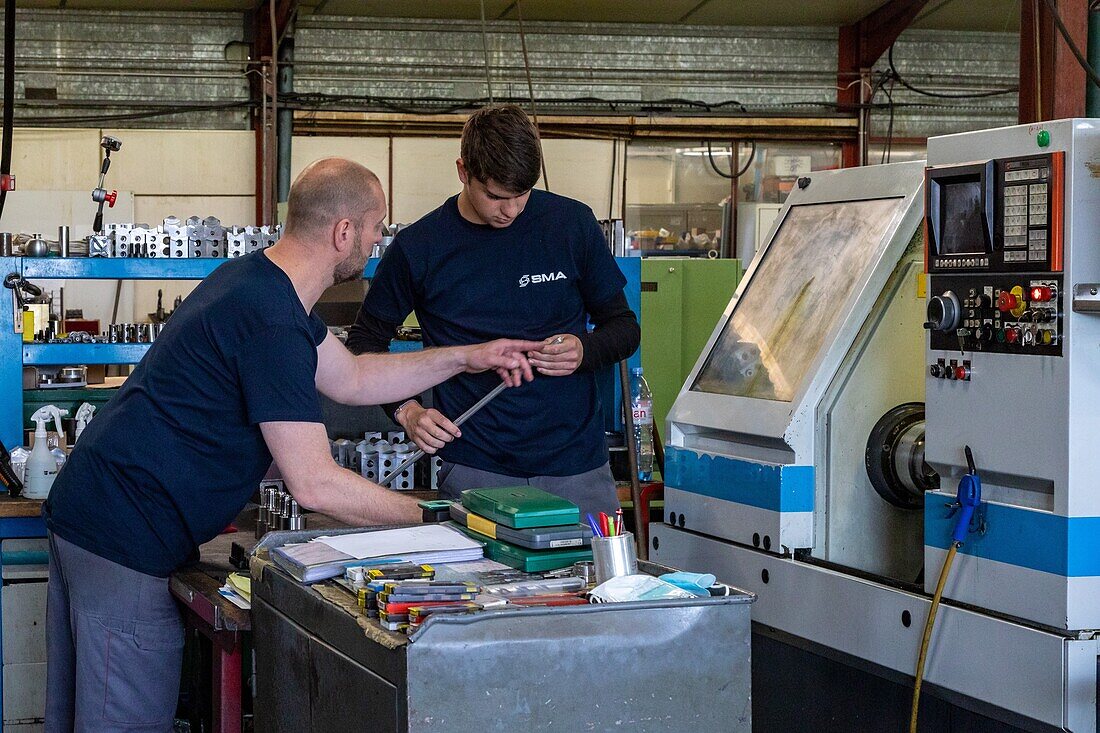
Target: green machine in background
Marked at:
682, 300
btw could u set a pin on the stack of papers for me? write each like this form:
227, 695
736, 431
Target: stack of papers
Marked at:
326, 557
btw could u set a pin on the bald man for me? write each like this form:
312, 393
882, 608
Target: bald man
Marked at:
229, 386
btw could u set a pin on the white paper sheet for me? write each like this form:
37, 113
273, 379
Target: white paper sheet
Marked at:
398, 542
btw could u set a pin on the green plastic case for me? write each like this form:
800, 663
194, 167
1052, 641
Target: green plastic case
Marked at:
520, 507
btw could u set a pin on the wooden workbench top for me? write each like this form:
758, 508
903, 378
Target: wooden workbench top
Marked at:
19, 507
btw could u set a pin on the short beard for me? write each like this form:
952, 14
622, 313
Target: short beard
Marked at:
351, 267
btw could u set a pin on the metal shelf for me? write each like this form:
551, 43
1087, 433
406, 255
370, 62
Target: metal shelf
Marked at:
119, 268
131, 268
63, 354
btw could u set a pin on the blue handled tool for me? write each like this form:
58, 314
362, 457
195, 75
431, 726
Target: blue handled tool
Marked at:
969, 496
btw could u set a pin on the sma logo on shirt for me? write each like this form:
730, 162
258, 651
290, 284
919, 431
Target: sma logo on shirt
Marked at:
541, 278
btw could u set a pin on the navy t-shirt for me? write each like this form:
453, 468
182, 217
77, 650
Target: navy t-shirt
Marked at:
470, 283
174, 456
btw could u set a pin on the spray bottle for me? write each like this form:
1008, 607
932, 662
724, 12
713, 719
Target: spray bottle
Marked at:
41, 464
83, 417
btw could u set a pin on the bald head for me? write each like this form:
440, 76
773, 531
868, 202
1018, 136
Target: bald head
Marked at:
329, 190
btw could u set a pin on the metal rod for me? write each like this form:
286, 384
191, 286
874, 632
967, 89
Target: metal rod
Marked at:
458, 423
632, 460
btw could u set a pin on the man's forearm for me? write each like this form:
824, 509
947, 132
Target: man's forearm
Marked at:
391, 378
352, 499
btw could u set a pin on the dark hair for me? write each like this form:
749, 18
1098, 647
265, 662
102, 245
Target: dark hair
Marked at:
500, 144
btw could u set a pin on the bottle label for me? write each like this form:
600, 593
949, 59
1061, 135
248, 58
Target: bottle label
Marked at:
643, 413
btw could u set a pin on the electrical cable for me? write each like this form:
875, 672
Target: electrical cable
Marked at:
531, 90
888, 144
1091, 72
9, 95
731, 175
943, 95
928, 633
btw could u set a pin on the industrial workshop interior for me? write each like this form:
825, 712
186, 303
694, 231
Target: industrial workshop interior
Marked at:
541, 365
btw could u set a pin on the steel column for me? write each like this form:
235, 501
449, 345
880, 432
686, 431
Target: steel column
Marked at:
1052, 83
859, 46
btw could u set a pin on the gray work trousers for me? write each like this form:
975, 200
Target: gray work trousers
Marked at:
593, 491
114, 641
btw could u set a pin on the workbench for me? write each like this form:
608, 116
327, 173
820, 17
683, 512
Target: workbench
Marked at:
323, 665
226, 625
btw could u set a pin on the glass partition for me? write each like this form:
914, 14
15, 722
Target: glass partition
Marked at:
791, 304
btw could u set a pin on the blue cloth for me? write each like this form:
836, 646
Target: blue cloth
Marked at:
536, 278
175, 455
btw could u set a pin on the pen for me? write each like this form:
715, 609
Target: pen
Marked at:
592, 524
603, 525
619, 521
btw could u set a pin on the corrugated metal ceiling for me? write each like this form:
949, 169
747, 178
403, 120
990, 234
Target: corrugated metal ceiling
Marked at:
972, 15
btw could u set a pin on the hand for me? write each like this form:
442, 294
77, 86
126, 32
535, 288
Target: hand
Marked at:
428, 428
557, 356
506, 356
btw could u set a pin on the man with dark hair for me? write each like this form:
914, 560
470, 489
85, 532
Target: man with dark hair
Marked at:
502, 258
170, 461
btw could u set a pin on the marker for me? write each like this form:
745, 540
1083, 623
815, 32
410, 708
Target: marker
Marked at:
592, 524
603, 524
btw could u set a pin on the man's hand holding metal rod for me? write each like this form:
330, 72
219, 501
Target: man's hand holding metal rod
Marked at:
431, 430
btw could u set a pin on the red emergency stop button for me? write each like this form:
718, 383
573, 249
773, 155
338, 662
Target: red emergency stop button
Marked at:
1006, 301
1040, 294
1012, 335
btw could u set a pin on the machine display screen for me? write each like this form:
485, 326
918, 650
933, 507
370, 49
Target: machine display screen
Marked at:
961, 231
801, 287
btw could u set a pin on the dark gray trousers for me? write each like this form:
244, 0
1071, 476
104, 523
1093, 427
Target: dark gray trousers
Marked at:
593, 491
114, 641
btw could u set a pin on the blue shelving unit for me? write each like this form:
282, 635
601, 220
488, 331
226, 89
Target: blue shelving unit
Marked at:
14, 354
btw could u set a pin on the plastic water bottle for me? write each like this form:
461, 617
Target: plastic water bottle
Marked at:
641, 403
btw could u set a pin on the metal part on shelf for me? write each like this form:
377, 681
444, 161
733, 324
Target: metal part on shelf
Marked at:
194, 238
36, 246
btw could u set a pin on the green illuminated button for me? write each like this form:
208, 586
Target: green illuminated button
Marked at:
1000, 336
1043, 138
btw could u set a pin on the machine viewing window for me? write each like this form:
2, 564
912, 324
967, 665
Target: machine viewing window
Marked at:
790, 306
962, 226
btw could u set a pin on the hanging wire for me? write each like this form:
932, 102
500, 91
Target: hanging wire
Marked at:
731, 175
531, 90
485, 44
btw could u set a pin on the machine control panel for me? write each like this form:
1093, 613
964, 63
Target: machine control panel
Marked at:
1005, 314
1001, 215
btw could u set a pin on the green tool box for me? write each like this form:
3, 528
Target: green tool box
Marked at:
520, 558
520, 507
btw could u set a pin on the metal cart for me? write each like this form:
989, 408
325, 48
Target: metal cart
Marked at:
322, 665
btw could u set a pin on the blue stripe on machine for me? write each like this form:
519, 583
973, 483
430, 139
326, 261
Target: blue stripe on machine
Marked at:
779, 488
1029, 538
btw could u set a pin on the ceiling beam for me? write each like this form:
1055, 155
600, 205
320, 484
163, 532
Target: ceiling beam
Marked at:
362, 124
